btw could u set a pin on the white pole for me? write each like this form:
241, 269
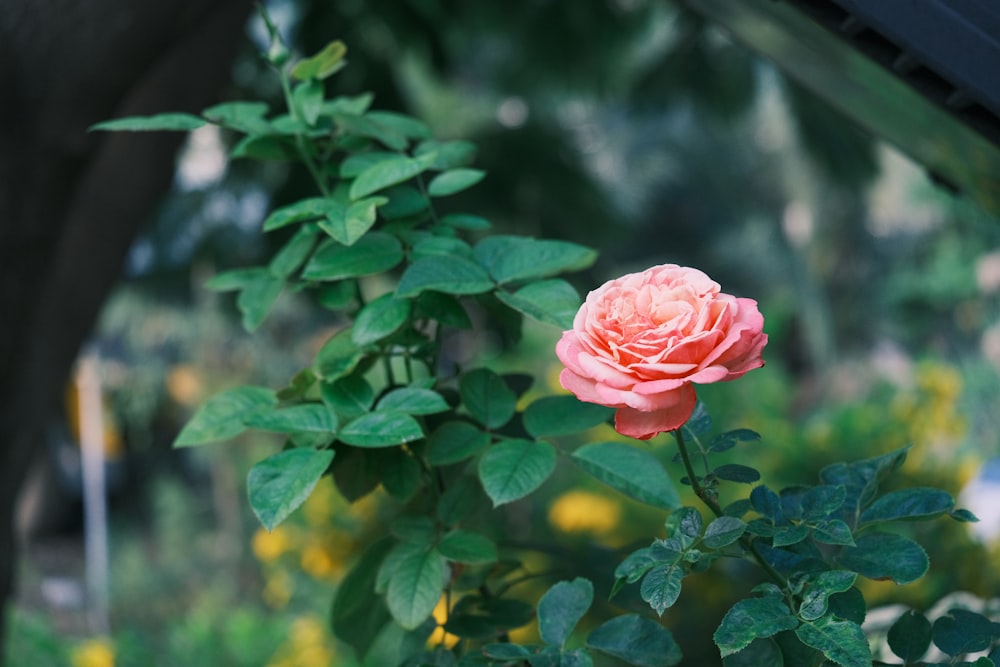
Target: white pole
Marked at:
95, 512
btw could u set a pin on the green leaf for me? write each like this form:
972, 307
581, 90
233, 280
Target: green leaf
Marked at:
445, 155
466, 221
288, 127
417, 530
304, 209
414, 401
451, 275
685, 524
408, 126
512, 469
766, 503
554, 302
834, 531
841, 641
444, 308
365, 126
462, 497
401, 474
785, 536
511, 258
325, 63
280, 483
455, 441
821, 501
751, 619
637, 564
729, 439
223, 416
630, 470
381, 175
821, 587
355, 471
163, 121
860, 479
257, 147
760, 653
337, 296
403, 202
246, 117
355, 163
878, 555
371, 254
963, 515
910, 636
441, 246
961, 631
257, 297
453, 181
349, 396
734, 472
561, 608
487, 397
358, 614
562, 415
723, 531
380, 319
308, 417
849, 605
637, 640
348, 224
338, 356
381, 429
506, 651
662, 586
909, 505
349, 104
415, 586
295, 251
298, 386
400, 552
464, 546
234, 279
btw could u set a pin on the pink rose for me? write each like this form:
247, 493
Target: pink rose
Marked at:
639, 343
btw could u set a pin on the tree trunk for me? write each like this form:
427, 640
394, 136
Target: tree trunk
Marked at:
72, 201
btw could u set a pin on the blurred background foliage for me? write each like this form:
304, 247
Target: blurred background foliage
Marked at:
631, 126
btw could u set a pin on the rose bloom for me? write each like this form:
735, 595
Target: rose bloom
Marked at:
641, 342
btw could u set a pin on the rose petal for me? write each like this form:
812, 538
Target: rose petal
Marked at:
584, 388
604, 370
645, 425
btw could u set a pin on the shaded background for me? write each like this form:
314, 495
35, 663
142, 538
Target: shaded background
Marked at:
634, 127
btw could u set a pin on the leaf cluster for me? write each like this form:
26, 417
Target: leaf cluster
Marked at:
812, 541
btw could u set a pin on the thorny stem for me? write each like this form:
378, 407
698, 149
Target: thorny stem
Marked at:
713, 505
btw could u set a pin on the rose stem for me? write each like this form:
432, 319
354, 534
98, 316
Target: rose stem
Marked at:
713, 505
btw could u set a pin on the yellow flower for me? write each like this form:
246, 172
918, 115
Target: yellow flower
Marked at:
585, 512
439, 636
93, 653
184, 385
269, 546
318, 563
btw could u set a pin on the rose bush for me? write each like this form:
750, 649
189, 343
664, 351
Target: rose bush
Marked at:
641, 342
